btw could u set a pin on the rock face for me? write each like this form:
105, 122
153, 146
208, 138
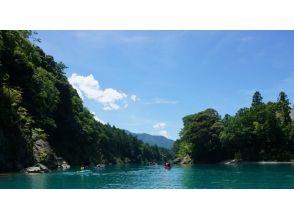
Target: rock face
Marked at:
37, 168
43, 154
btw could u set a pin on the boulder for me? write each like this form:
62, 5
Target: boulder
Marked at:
37, 168
32, 170
63, 165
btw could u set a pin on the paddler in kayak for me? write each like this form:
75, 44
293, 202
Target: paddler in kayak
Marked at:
167, 165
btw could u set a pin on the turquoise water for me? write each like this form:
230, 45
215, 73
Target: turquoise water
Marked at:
250, 176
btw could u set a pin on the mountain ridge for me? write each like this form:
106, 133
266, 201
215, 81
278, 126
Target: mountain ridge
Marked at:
158, 140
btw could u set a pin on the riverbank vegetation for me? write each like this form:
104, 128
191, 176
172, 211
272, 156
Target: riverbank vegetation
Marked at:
262, 132
37, 102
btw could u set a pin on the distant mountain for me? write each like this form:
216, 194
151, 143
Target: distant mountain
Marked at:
158, 140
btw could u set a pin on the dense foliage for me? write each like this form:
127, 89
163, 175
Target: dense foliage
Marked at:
262, 132
36, 100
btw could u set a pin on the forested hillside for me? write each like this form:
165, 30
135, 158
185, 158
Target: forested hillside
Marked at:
38, 103
263, 132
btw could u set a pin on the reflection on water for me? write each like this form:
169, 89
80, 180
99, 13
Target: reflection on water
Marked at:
252, 176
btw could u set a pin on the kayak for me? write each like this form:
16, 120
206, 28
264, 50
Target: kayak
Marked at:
167, 167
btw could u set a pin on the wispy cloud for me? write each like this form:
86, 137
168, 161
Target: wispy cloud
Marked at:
160, 127
112, 37
271, 93
285, 85
246, 39
126, 104
247, 92
164, 133
160, 101
288, 80
88, 87
134, 98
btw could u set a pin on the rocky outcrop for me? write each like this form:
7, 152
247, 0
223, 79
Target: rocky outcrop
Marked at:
185, 160
37, 168
43, 154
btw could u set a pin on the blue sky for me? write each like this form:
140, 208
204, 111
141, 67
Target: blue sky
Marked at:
147, 81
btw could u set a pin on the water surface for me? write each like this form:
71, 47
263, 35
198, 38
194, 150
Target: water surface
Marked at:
245, 176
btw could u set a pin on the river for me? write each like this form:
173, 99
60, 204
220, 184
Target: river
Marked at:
242, 176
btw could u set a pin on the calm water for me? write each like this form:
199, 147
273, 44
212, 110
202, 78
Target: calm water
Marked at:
250, 176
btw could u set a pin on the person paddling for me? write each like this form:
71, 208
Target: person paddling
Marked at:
167, 165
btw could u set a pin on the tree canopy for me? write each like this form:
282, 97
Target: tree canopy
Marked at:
261, 132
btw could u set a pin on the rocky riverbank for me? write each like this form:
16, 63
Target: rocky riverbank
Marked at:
45, 159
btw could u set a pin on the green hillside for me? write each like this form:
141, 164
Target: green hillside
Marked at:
38, 103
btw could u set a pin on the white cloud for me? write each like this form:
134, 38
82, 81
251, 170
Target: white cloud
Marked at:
134, 98
88, 87
96, 118
163, 133
160, 127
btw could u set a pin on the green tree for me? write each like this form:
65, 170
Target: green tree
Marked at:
284, 108
201, 131
257, 99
